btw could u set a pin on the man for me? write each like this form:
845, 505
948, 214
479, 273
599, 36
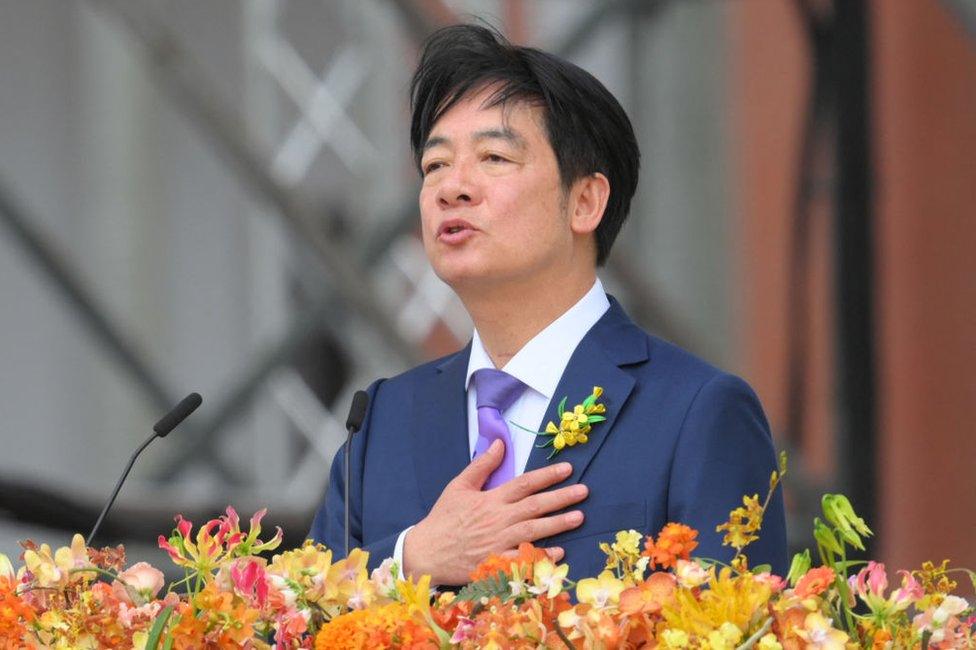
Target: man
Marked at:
529, 165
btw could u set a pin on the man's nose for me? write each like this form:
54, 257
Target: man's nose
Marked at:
458, 188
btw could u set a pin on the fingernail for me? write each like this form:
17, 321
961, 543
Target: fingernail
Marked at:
496, 445
575, 517
580, 490
565, 468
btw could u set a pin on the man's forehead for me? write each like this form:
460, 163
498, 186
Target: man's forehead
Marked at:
503, 132
474, 117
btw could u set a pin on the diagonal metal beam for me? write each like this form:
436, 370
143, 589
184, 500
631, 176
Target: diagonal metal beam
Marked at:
124, 352
55, 266
252, 380
183, 80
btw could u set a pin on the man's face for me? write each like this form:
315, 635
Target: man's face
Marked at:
492, 206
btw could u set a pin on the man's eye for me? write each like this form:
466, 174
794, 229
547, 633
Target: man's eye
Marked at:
494, 157
432, 167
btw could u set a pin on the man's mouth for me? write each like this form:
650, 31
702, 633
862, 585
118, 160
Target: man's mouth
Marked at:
454, 226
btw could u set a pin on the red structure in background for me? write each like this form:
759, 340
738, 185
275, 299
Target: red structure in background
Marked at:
923, 137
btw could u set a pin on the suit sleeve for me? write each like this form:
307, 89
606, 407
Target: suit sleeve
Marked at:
724, 452
329, 523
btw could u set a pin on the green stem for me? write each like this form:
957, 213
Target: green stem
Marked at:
760, 633
845, 592
99, 571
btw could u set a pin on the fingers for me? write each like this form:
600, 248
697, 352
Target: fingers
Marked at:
533, 529
531, 482
478, 470
541, 504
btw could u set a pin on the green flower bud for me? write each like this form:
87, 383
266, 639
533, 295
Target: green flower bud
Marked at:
799, 567
825, 537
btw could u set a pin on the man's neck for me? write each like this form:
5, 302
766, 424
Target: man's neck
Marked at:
508, 317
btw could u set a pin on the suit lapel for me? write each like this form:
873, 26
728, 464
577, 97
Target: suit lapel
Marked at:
614, 341
439, 425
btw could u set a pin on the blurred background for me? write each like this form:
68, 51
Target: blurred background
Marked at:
219, 196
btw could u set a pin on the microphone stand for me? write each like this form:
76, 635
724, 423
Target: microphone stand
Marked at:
118, 486
160, 430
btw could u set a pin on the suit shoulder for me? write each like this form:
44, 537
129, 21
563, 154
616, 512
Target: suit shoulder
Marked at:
681, 368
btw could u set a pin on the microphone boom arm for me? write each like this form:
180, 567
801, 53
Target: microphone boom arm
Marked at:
118, 486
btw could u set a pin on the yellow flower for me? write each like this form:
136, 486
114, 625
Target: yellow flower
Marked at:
743, 523
547, 578
769, 642
6, 568
416, 596
575, 424
54, 569
726, 637
305, 569
819, 634
601, 591
628, 543
735, 599
349, 572
674, 639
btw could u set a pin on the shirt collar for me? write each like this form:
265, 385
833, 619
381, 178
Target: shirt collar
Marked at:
541, 362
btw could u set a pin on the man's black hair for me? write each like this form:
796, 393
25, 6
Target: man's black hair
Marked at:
586, 126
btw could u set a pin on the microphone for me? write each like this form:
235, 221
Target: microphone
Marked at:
167, 423
357, 413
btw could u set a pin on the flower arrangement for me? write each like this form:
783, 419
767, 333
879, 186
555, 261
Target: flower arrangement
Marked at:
574, 425
653, 593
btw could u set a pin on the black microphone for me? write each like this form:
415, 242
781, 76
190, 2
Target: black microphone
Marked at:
166, 424
357, 413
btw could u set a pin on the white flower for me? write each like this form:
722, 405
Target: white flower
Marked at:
383, 577
951, 606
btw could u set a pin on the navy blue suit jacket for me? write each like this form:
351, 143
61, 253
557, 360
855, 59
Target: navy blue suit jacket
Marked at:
683, 442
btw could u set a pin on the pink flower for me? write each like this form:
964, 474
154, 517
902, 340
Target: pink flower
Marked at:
771, 580
290, 626
464, 631
909, 592
183, 526
138, 616
251, 582
871, 580
138, 584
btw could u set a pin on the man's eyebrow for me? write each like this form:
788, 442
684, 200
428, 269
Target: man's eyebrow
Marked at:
435, 142
504, 133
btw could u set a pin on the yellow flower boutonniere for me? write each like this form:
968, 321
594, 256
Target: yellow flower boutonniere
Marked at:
574, 425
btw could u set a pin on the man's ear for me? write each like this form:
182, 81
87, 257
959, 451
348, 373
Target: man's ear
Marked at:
591, 194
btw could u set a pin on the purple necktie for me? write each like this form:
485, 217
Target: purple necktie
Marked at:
496, 392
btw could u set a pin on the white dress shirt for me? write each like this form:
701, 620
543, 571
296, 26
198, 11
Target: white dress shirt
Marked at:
539, 365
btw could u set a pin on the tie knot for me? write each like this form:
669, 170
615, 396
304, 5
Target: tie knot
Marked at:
496, 389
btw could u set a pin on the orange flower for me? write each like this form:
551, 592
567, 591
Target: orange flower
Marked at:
649, 596
814, 582
527, 556
222, 621
14, 613
881, 640
378, 627
676, 542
